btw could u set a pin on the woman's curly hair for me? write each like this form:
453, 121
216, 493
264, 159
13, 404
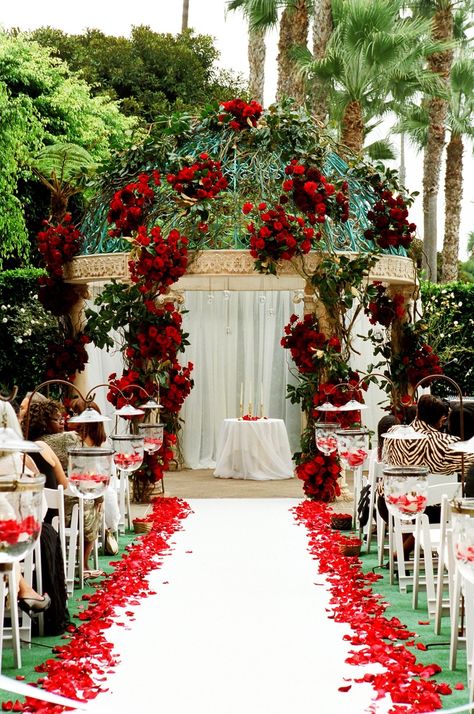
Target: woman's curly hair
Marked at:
40, 418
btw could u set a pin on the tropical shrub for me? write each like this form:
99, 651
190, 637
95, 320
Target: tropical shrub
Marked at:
448, 313
26, 331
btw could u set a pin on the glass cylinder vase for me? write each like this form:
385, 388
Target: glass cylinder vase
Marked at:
128, 454
325, 436
353, 447
153, 436
90, 469
21, 502
405, 490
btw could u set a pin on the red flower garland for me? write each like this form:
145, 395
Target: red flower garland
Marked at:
374, 636
279, 237
160, 262
200, 181
314, 194
389, 218
422, 363
180, 384
239, 115
58, 244
127, 207
67, 358
384, 309
82, 665
305, 342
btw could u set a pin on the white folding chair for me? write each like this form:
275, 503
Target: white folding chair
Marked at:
467, 585
68, 535
430, 540
405, 566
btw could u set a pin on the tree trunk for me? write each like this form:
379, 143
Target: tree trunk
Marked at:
256, 57
353, 127
453, 197
440, 63
322, 30
185, 16
294, 25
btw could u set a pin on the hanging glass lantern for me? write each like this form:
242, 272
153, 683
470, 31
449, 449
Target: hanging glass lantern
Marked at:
325, 436
128, 454
89, 470
153, 436
21, 501
353, 446
405, 490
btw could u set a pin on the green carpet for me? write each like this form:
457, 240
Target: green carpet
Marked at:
400, 605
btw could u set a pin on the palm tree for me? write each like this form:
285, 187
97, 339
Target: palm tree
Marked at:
439, 62
294, 22
256, 50
185, 16
461, 124
371, 49
322, 30
294, 25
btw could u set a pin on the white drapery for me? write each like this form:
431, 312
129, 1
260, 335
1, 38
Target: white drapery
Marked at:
234, 340
234, 344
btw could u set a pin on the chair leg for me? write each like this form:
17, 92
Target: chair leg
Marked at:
454, 640
39, 582
416, 563
12, 588
391, 559
381, 534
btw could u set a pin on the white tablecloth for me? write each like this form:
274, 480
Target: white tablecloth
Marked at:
254, 450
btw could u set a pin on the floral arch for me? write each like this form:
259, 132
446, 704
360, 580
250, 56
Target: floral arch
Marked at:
237, 191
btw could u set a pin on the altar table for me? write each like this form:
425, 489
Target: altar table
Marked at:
256, 450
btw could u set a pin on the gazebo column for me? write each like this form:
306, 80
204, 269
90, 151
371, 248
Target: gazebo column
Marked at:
78, 322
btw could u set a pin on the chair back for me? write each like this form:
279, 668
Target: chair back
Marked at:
436, 492
55, 501
434, 479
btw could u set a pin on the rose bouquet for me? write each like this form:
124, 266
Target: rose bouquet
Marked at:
279, 236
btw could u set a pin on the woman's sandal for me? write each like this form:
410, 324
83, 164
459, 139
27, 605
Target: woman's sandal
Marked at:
34, 606
93, 574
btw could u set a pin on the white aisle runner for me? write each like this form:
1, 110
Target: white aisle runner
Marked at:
237, 625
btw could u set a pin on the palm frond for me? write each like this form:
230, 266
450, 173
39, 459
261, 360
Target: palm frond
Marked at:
381, 150
64, 162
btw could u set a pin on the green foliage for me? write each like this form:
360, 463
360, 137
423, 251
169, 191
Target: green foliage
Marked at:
25, 331
42, 103
448, 312
151, 73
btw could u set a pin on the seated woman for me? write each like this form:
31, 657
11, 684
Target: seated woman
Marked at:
434, 452
46, 460
46, 426
11, 464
